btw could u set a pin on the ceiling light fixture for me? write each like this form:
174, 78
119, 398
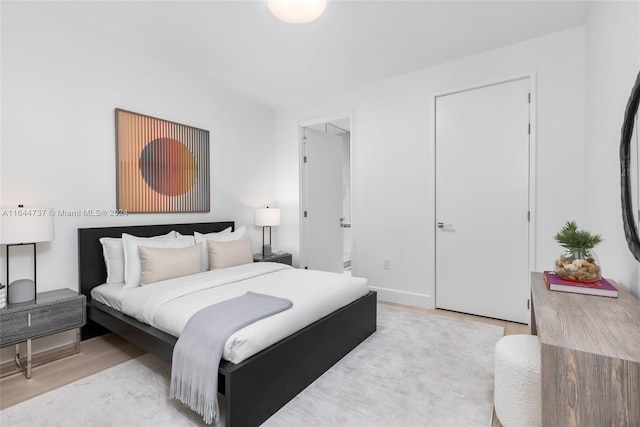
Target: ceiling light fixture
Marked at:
297, 11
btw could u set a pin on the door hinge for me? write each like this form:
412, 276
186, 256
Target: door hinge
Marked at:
304, 159
528, 304
529, 98
305, 214
528, 216
529, 128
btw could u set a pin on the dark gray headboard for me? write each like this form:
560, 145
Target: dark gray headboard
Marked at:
91, 268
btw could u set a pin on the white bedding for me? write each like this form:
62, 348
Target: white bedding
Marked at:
167, 305
110, 294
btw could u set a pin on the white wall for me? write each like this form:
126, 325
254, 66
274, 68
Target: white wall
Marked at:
59, 91
393, 158
613, 62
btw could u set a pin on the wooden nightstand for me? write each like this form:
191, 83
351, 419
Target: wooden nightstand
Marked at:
281, 257
51, 312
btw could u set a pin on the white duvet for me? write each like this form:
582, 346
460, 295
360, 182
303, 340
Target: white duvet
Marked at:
169, 304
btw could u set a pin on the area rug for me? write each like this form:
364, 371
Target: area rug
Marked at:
418, 369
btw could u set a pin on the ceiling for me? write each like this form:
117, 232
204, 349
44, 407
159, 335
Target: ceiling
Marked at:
241, 46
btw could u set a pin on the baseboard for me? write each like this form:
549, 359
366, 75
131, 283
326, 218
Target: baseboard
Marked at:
10, 368
403, 297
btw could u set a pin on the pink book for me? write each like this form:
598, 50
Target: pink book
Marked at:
601, 288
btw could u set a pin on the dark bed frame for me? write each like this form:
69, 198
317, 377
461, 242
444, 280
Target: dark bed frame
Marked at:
258, 387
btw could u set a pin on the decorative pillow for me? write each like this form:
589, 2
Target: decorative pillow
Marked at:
228, 254
113, 251
223, 236
132, 259
158, 264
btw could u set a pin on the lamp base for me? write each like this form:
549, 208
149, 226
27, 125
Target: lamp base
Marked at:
266, 250
22, 290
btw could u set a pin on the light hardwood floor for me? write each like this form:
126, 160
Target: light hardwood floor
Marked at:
103, 352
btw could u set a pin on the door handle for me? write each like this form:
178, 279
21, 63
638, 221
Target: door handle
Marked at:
442, 225
343, 224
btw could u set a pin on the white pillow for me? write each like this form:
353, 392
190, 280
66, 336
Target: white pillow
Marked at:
225, 231
224, 236
132, 259
113, 251
228, 254
158, 264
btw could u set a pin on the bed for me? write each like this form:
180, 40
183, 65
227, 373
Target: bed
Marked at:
257, 387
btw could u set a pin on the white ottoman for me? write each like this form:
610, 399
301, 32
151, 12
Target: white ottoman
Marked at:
517, 381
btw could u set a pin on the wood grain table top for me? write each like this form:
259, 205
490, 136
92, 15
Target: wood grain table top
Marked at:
592, 324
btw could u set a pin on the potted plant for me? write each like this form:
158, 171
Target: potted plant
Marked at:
579, 262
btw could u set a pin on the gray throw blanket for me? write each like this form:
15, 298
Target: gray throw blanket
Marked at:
197, 354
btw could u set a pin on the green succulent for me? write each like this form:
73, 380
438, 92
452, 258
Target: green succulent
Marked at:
573, 239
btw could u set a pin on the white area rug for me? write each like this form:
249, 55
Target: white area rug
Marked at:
418, 369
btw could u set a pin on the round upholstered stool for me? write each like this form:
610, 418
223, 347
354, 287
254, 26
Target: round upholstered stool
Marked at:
517, 381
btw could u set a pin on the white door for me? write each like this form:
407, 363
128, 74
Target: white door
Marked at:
482, 201
322, 210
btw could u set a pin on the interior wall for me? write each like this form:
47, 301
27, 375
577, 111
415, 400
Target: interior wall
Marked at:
393, 149
59, 91
613, 62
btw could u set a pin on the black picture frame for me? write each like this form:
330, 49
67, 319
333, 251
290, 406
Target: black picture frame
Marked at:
628, 214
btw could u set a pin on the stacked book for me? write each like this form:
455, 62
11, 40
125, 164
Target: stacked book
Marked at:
601, 287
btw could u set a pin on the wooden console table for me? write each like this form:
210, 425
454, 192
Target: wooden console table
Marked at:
590, 356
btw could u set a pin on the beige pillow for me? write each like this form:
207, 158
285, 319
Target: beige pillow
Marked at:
158, 264
132, 268
225, 235
228, 254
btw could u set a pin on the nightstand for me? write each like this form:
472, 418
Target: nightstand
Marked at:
281, 257
51, 312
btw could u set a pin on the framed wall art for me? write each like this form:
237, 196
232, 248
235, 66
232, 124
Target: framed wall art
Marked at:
161, 166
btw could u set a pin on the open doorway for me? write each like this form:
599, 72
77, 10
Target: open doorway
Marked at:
326, 217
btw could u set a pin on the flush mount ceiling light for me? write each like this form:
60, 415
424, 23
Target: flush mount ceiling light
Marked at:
297, 11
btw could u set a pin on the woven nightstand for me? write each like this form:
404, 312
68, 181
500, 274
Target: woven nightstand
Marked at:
51, 312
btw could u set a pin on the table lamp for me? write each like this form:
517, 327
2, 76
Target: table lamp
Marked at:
266, 218
20, 226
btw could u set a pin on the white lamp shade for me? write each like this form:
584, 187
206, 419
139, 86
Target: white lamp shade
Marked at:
267, 217
297, 11
22, 225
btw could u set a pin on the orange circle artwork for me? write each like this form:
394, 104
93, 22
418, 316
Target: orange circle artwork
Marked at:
168, 166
